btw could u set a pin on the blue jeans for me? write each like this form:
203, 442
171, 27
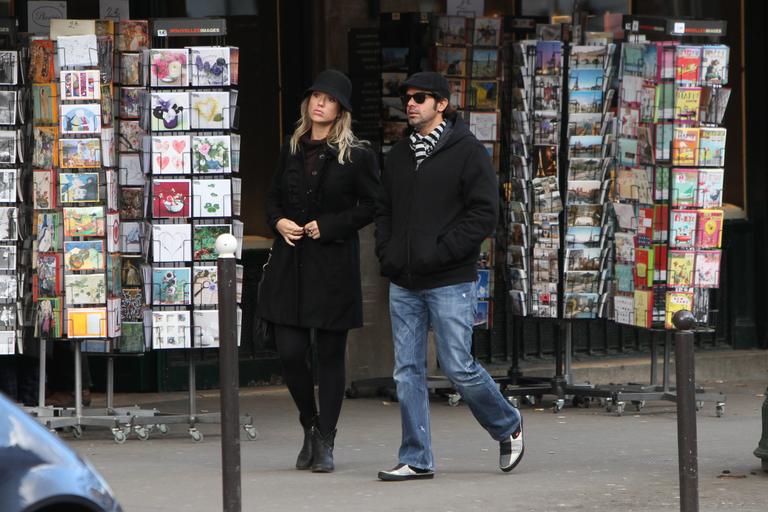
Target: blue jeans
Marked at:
450, 310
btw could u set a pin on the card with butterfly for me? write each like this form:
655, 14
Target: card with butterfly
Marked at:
171, 154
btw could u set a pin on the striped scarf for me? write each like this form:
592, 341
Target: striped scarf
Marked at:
423, 145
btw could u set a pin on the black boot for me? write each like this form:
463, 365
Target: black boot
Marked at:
304, 460
322, 449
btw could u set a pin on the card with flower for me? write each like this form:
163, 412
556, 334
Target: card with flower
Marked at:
204, 285
85, 288
171, 154
209, 65
132, 35
131, 134
170, 111
168, 67
130, 68
213, 198
204, 241
43, 187
171, 286
171, 198
130, 102
211, 154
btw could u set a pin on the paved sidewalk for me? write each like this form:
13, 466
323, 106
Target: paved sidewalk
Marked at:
580, 459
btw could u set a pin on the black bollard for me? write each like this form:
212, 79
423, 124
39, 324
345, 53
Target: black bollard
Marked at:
685, 385
226, 245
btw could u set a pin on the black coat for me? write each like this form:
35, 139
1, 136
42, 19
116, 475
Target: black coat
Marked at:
317, 283
431, 220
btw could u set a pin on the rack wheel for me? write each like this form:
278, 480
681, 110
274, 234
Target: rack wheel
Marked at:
558, 405
639, 404
251, 432
699, 405
118, 435
720, 409
142, 433
197, 436
454, 399
77, 431
163, 429
619, 408
514, 402
529, 400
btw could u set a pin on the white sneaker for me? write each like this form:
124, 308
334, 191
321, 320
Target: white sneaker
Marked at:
511, 449
405, 472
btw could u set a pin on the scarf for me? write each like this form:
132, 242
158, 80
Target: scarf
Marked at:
423, 145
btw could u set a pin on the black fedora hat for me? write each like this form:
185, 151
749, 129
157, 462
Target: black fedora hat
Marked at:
336, 84
428, 81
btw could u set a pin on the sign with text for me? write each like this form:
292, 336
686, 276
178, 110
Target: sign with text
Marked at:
114, 10
41, 12
469, 8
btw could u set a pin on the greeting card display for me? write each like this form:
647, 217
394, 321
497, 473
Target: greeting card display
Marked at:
171, 286
168, 67
211, 154
171, 198
169, 111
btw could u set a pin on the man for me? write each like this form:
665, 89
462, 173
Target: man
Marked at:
439, 202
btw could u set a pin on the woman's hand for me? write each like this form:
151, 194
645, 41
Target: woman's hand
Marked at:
312, 230
289, 230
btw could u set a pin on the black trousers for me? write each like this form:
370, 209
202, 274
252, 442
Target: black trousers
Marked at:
293, 346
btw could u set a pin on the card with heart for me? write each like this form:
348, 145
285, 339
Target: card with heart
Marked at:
171, 198
171, 154
171, 242
209, 110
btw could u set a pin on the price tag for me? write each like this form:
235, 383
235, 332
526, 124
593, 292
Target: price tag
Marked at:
679, 27
114, 9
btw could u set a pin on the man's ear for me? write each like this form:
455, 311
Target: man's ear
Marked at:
442, 103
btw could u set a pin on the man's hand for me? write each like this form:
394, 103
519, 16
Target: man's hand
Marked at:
289, 230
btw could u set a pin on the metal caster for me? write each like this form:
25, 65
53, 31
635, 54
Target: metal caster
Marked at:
639, 404
529, 400
720, 409
197, 436
454, 399
142, 433
514, 402
584, 402
619, 408
163, 429
118, 435
608, 404
77, 431
558, 405
251, 432
699, 405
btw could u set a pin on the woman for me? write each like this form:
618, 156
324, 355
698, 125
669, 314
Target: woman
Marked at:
322, 193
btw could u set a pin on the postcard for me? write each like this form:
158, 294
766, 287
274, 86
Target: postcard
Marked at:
48, 231
171, 154
131, 338
106, 49
8, 107
487, 31
108, 147
458, 88
587, 57
206, 328
74, 51
107, 105
78, 187
131, 135
391, 83
130, 69
132, 203
210, 110
171, 198
131, 235
85, 288
209, 66
132, 305
8, 287
171, 329
171, 286
205, 236
451, 61
484, 94
484, 125
80, 153
132, 35
546, 93
9, 67
587, 168
9, 228
451, 30
485, 63
169, 111
8, 146
171, 242
211, 154
7, 317
48, 275
130, 102
80, 85
7, 185
586, 102
48, 318
84, 221
394, 58
204, 285
168, 67
41, 68
113, 232
548, 57
82, 118
45, 153
212, 198
86, 322
84, 255
131, 173
44, 104
7, 257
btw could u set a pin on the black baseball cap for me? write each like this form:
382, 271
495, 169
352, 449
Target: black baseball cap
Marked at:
428, 81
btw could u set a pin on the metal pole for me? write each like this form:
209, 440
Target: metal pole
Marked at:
226, 245
686, 412
110, 382
41, 377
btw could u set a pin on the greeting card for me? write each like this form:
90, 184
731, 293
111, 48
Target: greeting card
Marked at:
130, 102
132, 203
78, 51
78, 187
131, 235
487, 31
48, 275
171, 286
86, 322
171, 198
168, 67
204, 285
211, 154
80, 85
451, 30
44, 104
7, 185
131, 135
130, 69
84, 221
41, 60
205, 236
212, 198
8, 223
9, 67
171, 242
206, 328
48, 321
209, 66
451, 61
169, 111
48, 231
45, 153
84, 255
108, 147
171, 154
132, 35
171, 329
85, 289
80, 153
8, 107
7, 257
210, 110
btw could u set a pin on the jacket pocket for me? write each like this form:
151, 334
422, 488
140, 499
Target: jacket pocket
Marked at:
393, 258
424, 253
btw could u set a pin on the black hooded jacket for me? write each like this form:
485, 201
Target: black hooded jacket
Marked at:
431, 220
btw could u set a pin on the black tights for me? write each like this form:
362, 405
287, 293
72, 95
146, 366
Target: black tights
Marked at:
293, 346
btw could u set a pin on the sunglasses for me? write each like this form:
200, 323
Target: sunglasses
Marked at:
419, 97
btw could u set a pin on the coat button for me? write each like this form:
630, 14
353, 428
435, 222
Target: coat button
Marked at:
322, 157
314, 173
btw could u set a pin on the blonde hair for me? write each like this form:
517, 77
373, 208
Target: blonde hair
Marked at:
340, 135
